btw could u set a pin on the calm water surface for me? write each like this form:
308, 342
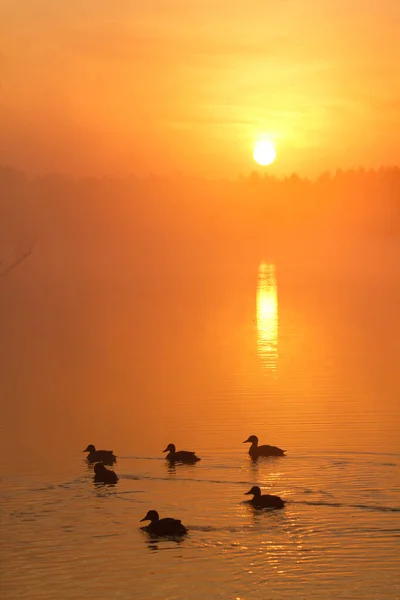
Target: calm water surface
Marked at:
305, 358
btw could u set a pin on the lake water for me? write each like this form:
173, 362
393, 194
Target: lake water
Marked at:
306, 357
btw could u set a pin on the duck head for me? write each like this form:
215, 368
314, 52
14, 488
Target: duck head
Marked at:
152, 516
90, 448
99, 468
170, 448
253, 439
255, 491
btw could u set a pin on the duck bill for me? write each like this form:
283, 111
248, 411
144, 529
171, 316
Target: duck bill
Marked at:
144, 519
248, 493
87, 450
166, 450
246, 441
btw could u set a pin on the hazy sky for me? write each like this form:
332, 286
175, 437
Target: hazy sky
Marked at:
91, 86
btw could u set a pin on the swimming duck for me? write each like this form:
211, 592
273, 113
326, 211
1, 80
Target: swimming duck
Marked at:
105, 456
103, 475
166, 526
264, 500
255, 450
182, 456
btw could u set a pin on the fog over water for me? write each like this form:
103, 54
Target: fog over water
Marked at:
139, 312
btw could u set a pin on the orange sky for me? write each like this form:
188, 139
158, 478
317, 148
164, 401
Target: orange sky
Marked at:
180, 85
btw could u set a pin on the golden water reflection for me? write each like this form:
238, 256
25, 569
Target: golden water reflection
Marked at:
267, 316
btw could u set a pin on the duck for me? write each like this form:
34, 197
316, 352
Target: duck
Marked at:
166, 526
264, 500
182, 456
103, 475
255, 450
105, 456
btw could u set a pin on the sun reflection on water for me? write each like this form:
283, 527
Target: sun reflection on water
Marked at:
267, 316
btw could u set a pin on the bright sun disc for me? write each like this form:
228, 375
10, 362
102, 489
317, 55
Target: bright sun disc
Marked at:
264, 153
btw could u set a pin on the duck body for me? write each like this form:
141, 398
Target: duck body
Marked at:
264, 500
160, 527
182, 456
103, 475
105, 456
255, 450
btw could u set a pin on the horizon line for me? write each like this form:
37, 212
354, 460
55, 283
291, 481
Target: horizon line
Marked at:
256, 172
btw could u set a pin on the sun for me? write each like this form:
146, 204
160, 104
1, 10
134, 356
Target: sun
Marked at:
264, 152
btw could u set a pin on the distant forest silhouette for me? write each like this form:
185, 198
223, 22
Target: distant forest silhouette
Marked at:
154, 215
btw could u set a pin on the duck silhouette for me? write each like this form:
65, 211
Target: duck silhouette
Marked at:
264, 500
166, 526
255, 450
182, 456
105, 456
103, 475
